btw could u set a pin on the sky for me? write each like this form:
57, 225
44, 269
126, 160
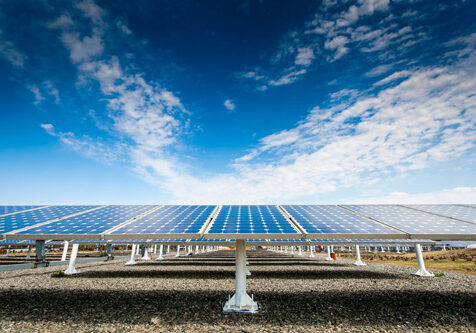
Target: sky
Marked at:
237, 102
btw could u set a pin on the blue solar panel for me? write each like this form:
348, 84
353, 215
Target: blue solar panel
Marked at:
251, 220
455, 211
94, 222
413, 221
14, 209
330, 219
169, 220
26, 219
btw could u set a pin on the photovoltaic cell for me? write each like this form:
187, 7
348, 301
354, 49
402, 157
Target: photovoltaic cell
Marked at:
170, 220
26, 219
13, 209
94, 222
414, 222
454, 211
330, 219
251, 220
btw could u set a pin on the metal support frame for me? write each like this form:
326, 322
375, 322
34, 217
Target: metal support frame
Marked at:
72, 261
300, 250
311, 249
145, 255
178, 251
241, 302
28, 254
329, 258
109, 251
132, 261
40, 253
161, 248
421, 264
358, 261
65, 251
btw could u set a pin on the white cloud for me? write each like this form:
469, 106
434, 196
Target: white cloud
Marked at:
46, 88
457, 195
87, 146
91, 11
304, 57
123, 27
10, 52
63, 21
36, 92
288, 78
426, 119
82, 49
229, 105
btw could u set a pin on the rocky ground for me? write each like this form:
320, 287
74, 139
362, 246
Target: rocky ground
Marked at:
187, 294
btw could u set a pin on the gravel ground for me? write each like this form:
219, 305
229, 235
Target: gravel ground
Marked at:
296, 294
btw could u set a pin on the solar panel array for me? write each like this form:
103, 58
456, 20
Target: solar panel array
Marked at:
250, 220
331, 219
169, 220
457, 212
14, 209
414, 222
94, 222
26, 219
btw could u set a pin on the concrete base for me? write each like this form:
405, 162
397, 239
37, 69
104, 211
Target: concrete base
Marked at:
241, 304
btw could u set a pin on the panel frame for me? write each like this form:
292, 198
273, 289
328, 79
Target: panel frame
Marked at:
248, 236
161, 236
432, 236
14, 234
309, 235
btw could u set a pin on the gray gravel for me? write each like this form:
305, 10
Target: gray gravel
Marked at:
187, 294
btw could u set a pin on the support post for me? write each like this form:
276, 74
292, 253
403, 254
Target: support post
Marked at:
329, 258
28, 254
72, 261
178, 251
358, 261
421, 264
8, 251
292, 250
132, 261
109, 251
65, 250
160, 252
241, 302
311, 255
146, 253
40, 253
300, 250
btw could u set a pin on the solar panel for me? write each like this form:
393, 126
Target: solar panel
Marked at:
240, 222
418, 224
455, 211
15, 209
167, 221
22, 220
330, 221
89, 225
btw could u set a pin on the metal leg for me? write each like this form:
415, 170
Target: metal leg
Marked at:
421, 264
358, 262
132, 261
329, 258
40, 253
72, 261
109, 252
178, 251
160, 252
146, 253
300, 250
311, 255
28, 254
241, 302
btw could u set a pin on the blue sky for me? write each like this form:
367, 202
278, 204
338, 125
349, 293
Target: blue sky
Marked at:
369, 101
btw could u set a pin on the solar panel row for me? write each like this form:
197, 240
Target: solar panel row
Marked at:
252, 222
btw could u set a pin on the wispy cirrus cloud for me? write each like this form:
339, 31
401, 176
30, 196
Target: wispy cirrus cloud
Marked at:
336, 30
